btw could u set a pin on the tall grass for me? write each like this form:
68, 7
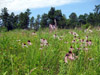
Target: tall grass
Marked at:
16, 60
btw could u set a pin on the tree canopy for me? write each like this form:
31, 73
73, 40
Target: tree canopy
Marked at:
24, 21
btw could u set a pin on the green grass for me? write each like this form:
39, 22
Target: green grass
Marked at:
16, 60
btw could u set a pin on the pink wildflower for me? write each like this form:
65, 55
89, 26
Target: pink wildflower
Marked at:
43, 42
82, 40
86, 37
29, 42
33, 33
24, 45
86, 44
71, 48
73, 41
71, 57
66, 58
90, 42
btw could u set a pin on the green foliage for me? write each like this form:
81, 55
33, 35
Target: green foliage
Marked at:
62, 68
16, 60
91, 19
97, 9
57, 14
82, 19
3, 29
44, 20
6, 19
51, 15
86, 26
23, 20
37, 23
73, 20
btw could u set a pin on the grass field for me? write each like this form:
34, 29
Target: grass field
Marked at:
17, 57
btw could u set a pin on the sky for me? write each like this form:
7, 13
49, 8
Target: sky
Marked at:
43, 6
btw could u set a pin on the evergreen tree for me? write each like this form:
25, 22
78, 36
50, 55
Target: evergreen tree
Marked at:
6, 19
24, 19
44, 20
51, 15
73, 20
31, 22
37, 22
91, 19
97, 15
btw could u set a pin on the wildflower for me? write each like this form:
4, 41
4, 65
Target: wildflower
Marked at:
66, 57
86, 37
24, 45
73, 41
71, 56
29, 42
74, 37
74, 33
33, 33
70, 52
55, 36
71, 48
71, 32
47, 44
82, 40
90, 42
41, 48
90, 59
86, 44
43, 42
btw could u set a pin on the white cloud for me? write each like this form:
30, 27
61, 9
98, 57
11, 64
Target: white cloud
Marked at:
19, 5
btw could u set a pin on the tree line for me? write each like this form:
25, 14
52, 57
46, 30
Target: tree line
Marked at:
24, 21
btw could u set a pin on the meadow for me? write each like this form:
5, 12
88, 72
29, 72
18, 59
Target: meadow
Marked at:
22, 53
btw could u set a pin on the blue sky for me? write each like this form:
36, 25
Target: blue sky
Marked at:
43, 6
67, 9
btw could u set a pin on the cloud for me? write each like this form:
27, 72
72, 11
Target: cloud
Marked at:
19, 5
